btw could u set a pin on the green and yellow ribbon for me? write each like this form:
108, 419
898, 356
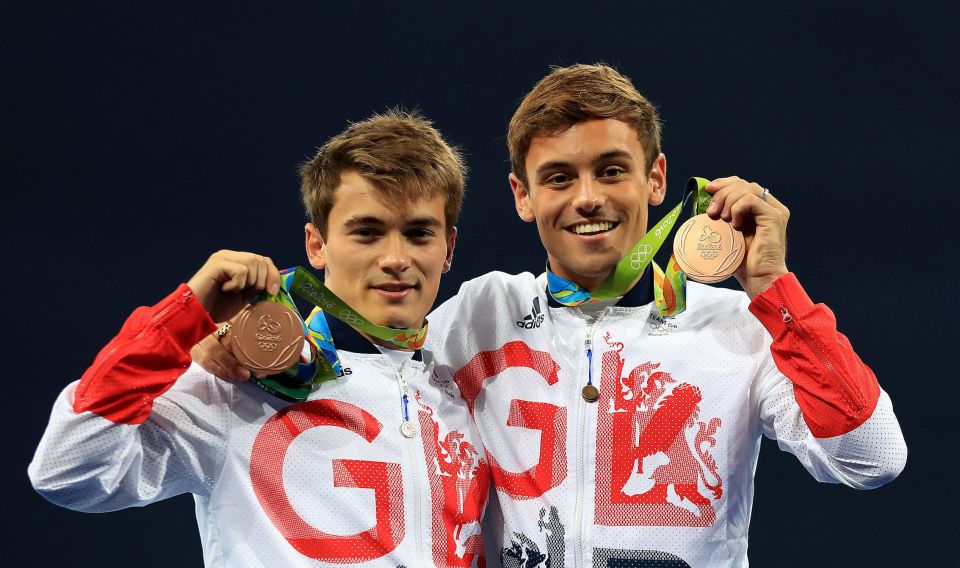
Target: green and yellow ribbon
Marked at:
297, 383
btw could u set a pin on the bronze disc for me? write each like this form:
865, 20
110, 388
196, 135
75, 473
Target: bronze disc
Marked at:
266, 337
708, 250
590, 393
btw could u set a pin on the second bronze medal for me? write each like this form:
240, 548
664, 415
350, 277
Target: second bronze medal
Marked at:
266, 337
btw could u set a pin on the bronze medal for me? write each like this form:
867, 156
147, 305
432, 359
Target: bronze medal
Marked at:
590, 393
266, 337
708, 250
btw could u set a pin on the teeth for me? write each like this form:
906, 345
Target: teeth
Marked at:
592, 227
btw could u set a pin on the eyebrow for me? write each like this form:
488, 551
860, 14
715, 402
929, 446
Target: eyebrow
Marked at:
363, 220
423, 221
603, 156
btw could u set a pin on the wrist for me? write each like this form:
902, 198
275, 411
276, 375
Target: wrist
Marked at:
201, 293
759, 284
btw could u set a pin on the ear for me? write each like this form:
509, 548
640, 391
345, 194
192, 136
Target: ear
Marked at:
521, 198
316, 247
451, 243
658, 180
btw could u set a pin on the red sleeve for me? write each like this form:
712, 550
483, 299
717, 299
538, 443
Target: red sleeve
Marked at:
144, 359
835, 390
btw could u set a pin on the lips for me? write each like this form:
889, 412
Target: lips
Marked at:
393, 290
394, 286
588, 228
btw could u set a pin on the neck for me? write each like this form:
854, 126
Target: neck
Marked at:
587, 282
591, 283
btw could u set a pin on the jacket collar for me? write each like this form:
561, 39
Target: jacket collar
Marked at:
640, 295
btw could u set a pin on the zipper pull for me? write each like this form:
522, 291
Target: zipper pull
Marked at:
407, 427
785, 314
589, 392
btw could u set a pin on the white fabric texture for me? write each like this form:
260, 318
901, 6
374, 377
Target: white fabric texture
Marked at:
608, 488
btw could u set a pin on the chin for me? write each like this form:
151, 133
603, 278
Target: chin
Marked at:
401, 321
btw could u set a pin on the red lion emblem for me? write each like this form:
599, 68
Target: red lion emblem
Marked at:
653, 461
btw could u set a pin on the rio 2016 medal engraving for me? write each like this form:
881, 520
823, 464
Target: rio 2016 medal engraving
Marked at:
266, 337
708, 250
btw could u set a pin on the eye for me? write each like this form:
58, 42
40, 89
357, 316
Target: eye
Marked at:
612, 172
364, 233
419, 235
558, 180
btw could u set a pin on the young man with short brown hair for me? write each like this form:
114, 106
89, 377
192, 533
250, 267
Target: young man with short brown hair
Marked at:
376, 466
620, 429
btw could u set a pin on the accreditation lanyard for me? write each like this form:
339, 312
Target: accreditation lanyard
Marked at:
297, 383
669, 286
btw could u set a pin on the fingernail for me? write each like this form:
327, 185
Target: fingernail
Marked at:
274, 289
712, 208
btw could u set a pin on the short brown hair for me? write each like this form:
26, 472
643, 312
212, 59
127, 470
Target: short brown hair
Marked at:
570, 95
399, 152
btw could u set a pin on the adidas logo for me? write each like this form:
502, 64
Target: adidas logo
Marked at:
534, 319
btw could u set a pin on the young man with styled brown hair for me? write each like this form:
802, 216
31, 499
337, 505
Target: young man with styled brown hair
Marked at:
379, 466
620, 429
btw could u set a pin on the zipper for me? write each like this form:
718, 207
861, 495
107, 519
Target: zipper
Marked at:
581, 419
854, 399
415, 470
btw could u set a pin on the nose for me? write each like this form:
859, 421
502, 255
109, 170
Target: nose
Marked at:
588, 198
395, 258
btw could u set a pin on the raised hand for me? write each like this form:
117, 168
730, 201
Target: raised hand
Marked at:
763, 221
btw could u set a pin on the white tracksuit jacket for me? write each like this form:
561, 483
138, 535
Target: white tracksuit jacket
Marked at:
658, 471
327, 482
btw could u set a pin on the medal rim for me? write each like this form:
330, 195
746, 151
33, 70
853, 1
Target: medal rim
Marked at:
244, 328
696, 270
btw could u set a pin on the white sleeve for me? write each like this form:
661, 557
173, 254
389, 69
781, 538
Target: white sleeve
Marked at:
870, 455
88, 463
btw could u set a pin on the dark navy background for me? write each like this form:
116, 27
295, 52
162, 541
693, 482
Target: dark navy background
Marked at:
138, 138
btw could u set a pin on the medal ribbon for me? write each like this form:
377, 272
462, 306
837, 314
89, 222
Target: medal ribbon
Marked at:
298, 382
669, 286
310, 288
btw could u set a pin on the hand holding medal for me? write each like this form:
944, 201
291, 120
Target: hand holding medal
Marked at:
762, 219
224, 286
707, 249
230, 279
290, 357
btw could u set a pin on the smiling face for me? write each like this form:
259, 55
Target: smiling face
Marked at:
589, 194
382, 258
